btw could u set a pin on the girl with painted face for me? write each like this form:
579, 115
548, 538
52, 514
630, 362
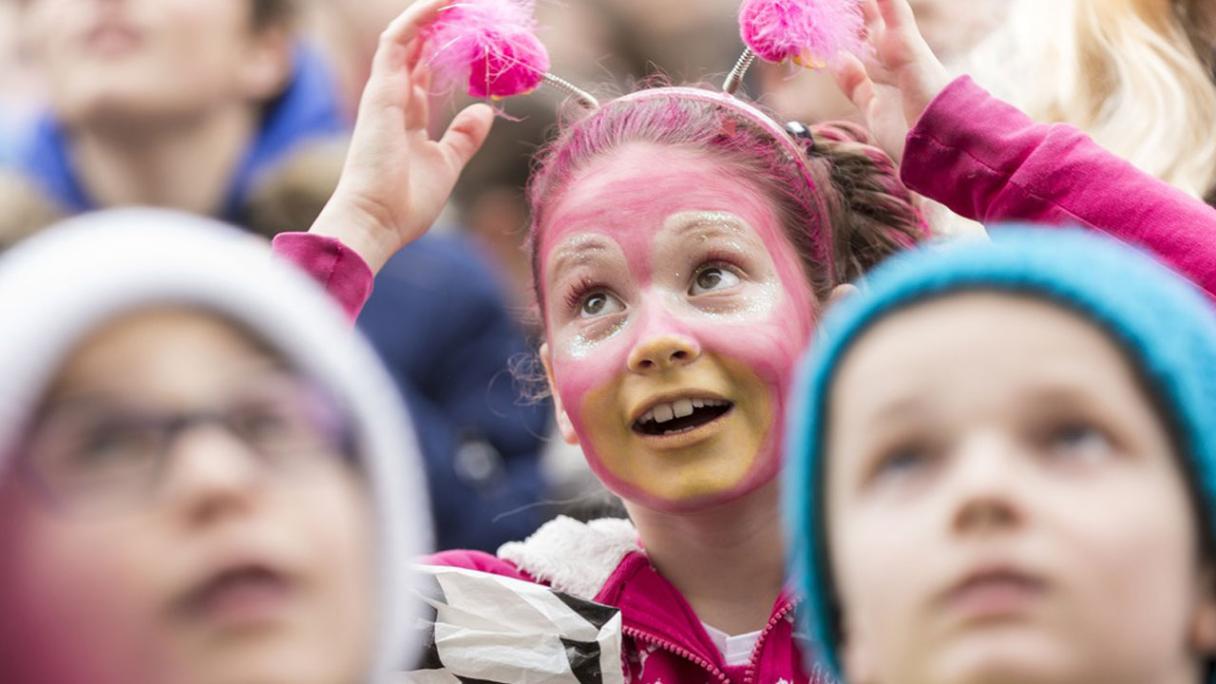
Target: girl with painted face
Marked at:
1041, 477
684, 246
205, 477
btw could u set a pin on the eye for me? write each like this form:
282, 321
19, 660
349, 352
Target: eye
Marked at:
111, 443
1079, 442
263, 422
903, 461
712, 278
599, 304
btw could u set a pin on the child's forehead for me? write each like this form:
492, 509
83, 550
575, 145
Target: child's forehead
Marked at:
641, 179
637, 190
959, 346
163, 346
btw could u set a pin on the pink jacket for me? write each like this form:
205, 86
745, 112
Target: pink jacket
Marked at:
663, 640
977, 155
988, 161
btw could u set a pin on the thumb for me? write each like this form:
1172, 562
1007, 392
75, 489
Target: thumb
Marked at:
853, 80
466, 134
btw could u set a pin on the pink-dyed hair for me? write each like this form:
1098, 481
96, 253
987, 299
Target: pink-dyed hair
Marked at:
857, 198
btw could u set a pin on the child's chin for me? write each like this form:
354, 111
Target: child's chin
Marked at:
1020, 655
273, 658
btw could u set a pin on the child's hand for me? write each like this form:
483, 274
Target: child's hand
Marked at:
396, 179
896, 83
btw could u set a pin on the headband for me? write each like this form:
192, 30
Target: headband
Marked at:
820, 229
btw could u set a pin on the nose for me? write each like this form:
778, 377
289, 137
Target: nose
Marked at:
663, 352
212, 475
986, 486
662, 342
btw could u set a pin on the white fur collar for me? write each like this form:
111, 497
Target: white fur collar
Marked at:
574, 557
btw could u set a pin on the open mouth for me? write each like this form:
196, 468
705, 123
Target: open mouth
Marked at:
681, 415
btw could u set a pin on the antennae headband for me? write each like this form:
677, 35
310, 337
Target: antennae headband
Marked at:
818, 226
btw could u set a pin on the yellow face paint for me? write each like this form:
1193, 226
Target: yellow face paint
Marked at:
668, 279
708, 463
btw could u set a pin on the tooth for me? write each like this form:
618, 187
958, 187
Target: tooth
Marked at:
647, 417
664, 413
698, 403
682, 408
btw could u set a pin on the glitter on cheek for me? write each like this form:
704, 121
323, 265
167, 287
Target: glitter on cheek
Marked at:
583, 344
582, 362
757, 304
768, 333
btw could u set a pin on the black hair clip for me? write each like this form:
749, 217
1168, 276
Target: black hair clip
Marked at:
801, 132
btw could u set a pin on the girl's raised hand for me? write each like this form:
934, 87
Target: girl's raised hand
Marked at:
396, 179
899, 78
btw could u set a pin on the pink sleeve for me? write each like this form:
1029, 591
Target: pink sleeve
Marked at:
477, 560
342, 272
988, 161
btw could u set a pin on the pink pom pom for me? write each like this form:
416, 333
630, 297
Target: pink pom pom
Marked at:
493, 42
810, 32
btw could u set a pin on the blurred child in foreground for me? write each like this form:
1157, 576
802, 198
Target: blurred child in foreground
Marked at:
206, 475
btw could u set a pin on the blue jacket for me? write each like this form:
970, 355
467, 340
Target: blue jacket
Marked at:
307, 110
438, 318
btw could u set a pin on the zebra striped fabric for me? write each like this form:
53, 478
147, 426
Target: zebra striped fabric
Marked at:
497, 630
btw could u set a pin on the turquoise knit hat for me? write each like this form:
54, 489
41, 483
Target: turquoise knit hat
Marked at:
1165, 324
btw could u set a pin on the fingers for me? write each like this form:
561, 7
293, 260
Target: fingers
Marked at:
420, 75
873, 18
399, 48
896, 14
413, 53
409, 23
854, 82
391, 86
467, 134
418, 109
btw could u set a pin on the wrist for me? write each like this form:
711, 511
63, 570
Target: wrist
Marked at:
370, 238
933, 79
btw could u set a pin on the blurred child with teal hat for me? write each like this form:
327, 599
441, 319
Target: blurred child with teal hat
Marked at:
1002, 468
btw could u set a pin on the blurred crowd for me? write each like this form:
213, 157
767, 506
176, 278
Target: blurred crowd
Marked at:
240, 112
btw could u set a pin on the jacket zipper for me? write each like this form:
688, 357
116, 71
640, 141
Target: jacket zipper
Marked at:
750, 677
677, 650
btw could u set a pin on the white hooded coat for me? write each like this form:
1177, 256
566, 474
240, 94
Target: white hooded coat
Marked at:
63, 284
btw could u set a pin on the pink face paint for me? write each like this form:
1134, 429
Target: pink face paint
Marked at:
637, 230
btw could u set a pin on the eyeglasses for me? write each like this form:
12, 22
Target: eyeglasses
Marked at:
99, 456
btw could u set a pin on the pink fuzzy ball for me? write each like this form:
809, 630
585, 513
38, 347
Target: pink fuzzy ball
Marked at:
810, 32
491, 42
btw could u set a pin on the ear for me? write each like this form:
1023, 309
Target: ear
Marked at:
564, 423
268, 64
1203, 628
840, 293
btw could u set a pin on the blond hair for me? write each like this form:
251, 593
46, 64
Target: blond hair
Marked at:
1134, 74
